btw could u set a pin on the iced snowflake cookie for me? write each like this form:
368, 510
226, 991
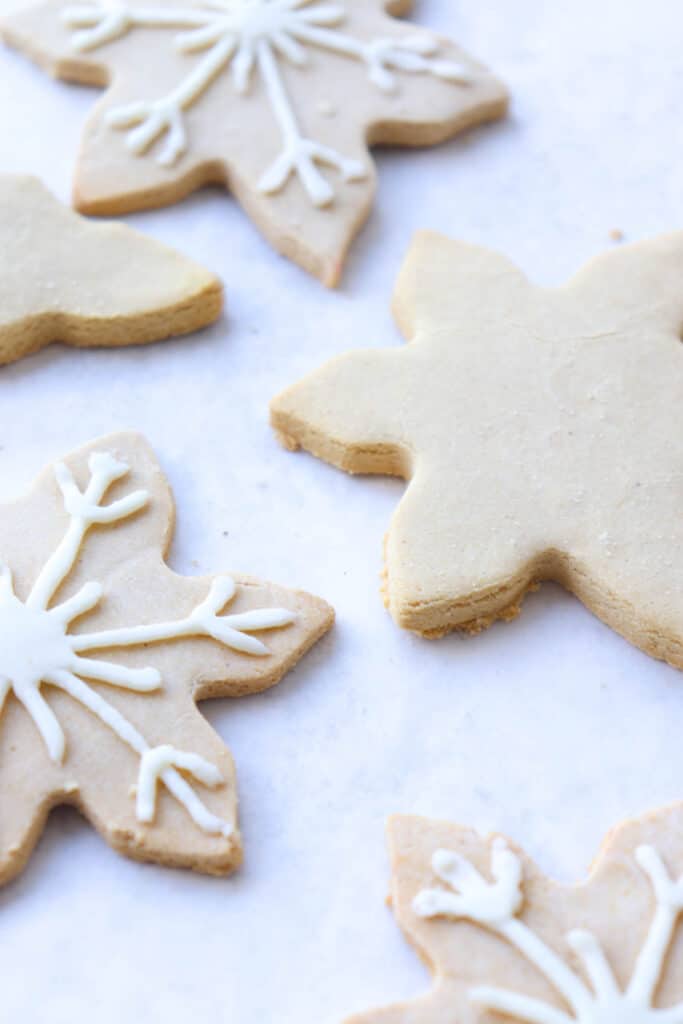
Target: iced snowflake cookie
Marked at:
540, 430
104, 653
507, 944
65, 279
276, 99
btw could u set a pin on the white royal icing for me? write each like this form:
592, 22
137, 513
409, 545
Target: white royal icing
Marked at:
495, 906
37, 649
249, 36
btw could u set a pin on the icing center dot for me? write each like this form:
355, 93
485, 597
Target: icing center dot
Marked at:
32, 642
253, 18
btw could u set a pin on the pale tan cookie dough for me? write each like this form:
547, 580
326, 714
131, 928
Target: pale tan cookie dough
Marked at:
540, 431
65, 279
507, 944
58, 740
276, 101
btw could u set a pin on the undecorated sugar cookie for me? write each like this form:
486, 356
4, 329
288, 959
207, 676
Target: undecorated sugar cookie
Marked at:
104, 652
278, 100
65, 279
507, 944
540, 430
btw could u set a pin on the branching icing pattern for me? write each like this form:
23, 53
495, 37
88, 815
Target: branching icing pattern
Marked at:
37, 649
495, 905
249, 37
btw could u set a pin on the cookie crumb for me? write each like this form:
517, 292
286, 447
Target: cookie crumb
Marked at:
617, 235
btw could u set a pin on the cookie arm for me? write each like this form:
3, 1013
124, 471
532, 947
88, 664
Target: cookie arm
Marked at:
641, 283
449, 285
629, 576
165, 807
349, 413
90, 284
26, 808
446, 568
311, 619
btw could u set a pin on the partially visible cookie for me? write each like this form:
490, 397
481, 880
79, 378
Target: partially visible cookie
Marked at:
505, 943
278, 100
104, 652
540, 428
63, 278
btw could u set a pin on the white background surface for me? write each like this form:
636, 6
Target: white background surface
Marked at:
550, 729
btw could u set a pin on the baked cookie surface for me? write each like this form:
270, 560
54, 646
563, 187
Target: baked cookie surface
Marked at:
538, 429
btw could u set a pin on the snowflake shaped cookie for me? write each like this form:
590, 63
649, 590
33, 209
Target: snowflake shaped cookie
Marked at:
103, 654
276, 99
505, 943
539, 429
89, 285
